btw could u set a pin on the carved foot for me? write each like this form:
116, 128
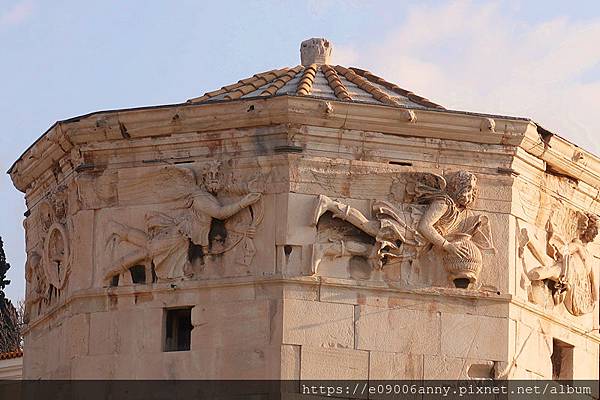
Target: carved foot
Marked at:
322, 206
317, 256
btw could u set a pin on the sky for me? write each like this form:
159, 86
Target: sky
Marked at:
63, 58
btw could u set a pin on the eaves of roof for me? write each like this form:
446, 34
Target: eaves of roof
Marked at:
189, 104
11, 354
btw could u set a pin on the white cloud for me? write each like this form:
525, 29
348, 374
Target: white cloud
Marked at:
479, 57
17, 14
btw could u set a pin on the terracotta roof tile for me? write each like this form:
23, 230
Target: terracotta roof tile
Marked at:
215, 92
270, 75
242, 84
280, 82
308, 78
365, 85
395, 88
236, 85
347, 84
242, 90
335, 83
11, 354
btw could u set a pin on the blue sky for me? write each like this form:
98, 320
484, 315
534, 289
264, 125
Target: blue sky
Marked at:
537, 59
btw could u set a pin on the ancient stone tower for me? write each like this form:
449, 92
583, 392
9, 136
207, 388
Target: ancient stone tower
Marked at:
309, 222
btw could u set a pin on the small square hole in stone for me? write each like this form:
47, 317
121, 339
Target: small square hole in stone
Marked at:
178, 329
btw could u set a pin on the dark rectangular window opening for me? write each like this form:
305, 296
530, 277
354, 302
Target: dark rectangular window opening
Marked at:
562, 360
178, 329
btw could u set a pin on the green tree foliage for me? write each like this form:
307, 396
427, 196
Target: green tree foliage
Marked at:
10, 335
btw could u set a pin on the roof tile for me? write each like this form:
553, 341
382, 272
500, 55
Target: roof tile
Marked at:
308, 78
395, 88
280, 82
11, 354
366, 86
335, 83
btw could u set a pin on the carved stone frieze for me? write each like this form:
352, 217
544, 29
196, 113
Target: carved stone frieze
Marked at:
426, 213
202, 220
565, 273
49, 259
97, 190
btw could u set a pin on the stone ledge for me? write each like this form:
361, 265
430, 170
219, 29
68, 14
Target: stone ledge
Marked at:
186, 286
439, 292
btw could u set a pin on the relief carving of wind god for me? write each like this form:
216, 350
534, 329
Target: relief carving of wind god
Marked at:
430, 214
566, 274
199, 224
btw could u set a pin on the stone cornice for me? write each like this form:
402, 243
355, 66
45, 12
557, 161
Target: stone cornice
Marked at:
152, 122
562, 156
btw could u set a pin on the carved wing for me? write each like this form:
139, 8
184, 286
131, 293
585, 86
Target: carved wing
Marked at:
158, 185
409, 187
561, 229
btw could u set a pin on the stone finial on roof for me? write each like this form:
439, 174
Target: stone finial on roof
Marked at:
315, 51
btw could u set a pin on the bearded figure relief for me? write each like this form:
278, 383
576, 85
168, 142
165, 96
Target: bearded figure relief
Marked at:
196, 223
566, 274
434, 216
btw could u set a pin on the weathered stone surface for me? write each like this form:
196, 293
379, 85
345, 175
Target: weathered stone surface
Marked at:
469, 336
533, 351
290, 362
398, 330
234, 324
304, 290
318, 324
585, 365
437, 300
83, 224
94, 367
395, 366
328, 363
455, 368
103, 334
248, 363
77, 335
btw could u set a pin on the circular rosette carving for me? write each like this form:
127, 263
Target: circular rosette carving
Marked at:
57, 255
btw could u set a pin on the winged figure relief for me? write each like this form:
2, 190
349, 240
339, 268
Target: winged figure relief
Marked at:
194, 205
424, 211
566, 268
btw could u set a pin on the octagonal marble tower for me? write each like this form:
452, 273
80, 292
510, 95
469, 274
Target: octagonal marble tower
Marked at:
309, 222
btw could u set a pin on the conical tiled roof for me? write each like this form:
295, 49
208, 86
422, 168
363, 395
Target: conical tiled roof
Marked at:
321, 80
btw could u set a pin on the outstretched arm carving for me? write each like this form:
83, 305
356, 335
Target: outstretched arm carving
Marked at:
432, 214
426, 225
210, 206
